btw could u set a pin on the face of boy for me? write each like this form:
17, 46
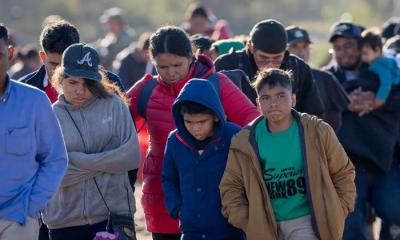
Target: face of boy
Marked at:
275, 104
200, 125
51, 61
267, 60
368, 54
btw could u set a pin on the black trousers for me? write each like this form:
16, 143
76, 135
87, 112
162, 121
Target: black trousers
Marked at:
166, 236
43, 233
86, 232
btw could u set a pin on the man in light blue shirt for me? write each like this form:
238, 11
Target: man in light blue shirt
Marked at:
33, 158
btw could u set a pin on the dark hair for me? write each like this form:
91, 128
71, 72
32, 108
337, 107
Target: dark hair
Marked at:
56, 37
273, 77
189, 107
201, 42
4, 33
197, 10
29, 51
170, 39
371, 37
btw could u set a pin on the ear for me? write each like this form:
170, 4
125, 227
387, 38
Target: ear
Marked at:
258, 105
294, 100
42, 56
250, 46
10, 52
216, 119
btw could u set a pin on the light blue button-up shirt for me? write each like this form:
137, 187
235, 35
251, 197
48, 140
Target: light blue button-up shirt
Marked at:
33, 157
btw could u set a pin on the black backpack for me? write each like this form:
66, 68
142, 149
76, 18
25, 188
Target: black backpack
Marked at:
237, 76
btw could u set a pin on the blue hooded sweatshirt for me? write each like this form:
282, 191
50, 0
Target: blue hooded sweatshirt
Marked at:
190, 180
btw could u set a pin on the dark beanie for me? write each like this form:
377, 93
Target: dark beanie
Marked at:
269, 36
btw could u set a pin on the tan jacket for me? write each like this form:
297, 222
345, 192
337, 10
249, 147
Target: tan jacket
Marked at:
329, 180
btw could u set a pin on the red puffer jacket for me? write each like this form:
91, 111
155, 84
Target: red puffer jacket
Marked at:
237, 107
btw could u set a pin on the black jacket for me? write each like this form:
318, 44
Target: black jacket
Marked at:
333, 96
373, 136
129, 67
36, 78
308, 99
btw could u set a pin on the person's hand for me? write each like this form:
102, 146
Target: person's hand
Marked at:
371, 107
361, 102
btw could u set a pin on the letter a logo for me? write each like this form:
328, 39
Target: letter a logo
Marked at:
86, 59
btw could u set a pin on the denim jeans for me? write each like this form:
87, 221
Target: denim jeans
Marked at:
382, 191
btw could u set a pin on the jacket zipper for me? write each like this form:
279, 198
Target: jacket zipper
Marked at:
261, 181
303, 150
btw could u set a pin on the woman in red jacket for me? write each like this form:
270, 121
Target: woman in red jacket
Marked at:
171, 51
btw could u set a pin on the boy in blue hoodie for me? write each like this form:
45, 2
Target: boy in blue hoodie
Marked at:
194, 162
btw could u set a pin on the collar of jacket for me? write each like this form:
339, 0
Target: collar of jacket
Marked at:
36, 78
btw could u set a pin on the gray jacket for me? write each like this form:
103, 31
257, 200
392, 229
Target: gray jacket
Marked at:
106, 151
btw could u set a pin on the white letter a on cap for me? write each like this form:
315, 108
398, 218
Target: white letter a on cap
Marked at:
86, 59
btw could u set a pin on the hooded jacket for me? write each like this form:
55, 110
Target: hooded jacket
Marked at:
308, 98
329, 177
190, 180
104, 148
159, 123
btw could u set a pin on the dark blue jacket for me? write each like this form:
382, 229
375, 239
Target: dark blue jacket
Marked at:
36, 78
191, 180
372, 137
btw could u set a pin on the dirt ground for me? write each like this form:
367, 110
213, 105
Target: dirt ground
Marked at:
141, 232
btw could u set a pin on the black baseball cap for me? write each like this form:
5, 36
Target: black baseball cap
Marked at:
269, 36
296, 34
391, 27
345, 29
81, 60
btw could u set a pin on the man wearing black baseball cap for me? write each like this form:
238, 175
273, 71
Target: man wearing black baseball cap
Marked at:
333, 96
369, 140
267, 48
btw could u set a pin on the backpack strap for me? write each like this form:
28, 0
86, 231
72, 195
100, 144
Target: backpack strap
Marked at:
144, 96
237, 76
214, 79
